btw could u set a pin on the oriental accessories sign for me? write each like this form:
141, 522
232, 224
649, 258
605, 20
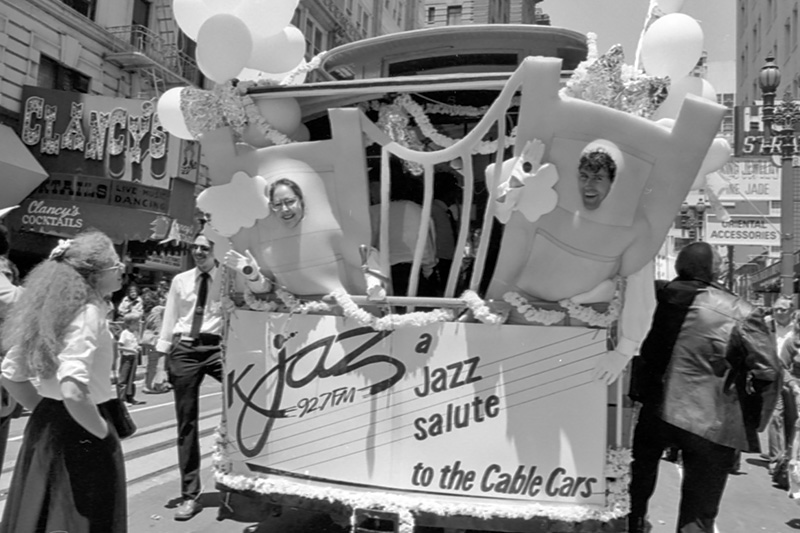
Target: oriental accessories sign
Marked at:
463, 410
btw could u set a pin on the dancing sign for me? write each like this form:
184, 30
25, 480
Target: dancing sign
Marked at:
465, 410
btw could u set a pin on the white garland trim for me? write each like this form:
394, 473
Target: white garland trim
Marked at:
297, 307
392, 321
480, 310
576, 311
546, 317
617, 471
256, 304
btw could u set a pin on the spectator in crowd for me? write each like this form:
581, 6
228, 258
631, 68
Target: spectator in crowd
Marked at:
707, 378
154, 315
129, 351
131, 304
69, 474
782, 422
10, 292
445, 190
190, 338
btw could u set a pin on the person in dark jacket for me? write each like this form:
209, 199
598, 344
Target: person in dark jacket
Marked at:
707, 378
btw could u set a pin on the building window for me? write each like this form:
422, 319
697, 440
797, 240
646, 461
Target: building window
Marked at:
315, 37
431, 15
84, 7
794, 27
453, 15
54, 75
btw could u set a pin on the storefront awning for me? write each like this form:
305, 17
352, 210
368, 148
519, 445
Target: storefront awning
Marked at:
20, 172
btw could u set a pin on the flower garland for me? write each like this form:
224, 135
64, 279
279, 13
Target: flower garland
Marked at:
295, 306
618, 480
480, 310
392, 321
617, 471
546, 317
257, 304
586, 314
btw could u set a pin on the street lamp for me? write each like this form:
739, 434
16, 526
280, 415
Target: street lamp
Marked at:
782, 119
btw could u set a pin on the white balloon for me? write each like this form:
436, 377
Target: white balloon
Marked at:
301, 134
266, 17
670, 6
222, 6
283, 114
224, 45
678, 90
278, 53
253, 136
672, 46
190, 15
170, 114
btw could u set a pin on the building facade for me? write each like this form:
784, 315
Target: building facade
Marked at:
456, 12
763, 29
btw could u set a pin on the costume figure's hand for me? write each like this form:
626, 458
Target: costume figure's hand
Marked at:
609, 367
245, 265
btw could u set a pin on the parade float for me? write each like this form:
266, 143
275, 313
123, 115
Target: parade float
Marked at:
477, 409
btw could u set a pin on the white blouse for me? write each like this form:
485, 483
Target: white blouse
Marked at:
87, 357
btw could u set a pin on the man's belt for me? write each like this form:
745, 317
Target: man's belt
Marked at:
203, 339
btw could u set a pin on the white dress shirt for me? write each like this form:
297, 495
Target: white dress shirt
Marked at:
179, 310
87, 357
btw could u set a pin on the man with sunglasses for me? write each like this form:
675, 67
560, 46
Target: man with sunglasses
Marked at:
190, 337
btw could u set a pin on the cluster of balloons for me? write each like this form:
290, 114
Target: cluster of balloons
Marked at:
671, 47
243, 39
233, 35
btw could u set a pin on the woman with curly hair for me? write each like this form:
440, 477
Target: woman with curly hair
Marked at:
69, 474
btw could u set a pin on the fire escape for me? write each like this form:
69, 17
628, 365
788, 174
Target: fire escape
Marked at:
158, 56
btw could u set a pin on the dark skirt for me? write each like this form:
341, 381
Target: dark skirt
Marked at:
65, 478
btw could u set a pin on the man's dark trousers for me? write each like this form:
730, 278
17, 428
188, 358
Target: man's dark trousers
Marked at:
706, 466
188, 363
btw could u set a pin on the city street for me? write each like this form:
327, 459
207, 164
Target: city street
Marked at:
751, 503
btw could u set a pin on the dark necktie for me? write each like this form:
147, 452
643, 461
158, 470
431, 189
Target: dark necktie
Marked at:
200, 306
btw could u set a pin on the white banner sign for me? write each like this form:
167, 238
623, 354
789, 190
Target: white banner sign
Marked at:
469, 411
752, 180
743, 230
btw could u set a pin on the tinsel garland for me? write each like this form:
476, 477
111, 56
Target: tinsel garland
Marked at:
257, 304
425, 126
617, 472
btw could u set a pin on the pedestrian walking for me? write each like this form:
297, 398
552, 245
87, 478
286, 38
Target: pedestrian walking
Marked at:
707, 378
190, 337
784, 417
69, 474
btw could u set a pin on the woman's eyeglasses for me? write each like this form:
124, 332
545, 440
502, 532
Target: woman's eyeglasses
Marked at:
201, 248
115, 266
289, 203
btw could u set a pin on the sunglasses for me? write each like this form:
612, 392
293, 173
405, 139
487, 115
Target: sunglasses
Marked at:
115, 266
